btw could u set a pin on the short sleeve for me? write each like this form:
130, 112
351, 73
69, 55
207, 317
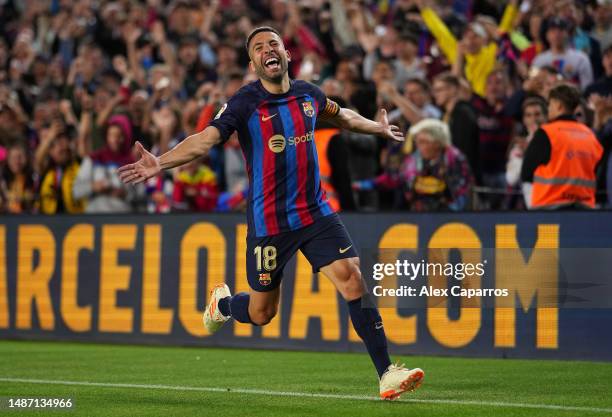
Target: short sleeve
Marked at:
227, 119
327, 108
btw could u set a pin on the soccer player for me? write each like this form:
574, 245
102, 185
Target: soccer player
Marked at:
287, 209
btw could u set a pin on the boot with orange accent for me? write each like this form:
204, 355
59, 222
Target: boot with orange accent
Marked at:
397, 379
213, 319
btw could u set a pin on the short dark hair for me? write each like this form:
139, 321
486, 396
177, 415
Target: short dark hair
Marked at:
448, 78
421, 82
535, 101
259, 30
568, 95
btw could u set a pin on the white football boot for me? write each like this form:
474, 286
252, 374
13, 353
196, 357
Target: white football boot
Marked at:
397, 379
213, 319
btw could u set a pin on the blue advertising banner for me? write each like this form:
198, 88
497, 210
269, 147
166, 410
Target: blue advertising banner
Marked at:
145, 279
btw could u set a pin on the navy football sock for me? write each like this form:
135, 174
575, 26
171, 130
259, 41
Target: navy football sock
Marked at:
368, 325
224, 307
236, 306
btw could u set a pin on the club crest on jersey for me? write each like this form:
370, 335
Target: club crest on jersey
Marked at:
308, 109
264, 279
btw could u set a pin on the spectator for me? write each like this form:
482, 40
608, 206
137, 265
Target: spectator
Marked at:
475, 55
461, 119
347, 74
170, 66
364, 149
534, 26
575, 13
603, 86
159, 191
534, 115
97, 179
17, 193
584, 114
234, 165
435, 177
538, 84
406, 63
414, 104
574, 65
562, 157
195, 188
57, 167
602, 17
602, 125
495, 132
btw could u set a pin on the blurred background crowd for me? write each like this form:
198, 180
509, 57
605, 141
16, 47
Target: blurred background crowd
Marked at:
467, 80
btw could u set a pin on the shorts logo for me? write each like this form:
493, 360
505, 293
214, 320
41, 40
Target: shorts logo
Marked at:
308, 109
277, 143
264, 279
345, 249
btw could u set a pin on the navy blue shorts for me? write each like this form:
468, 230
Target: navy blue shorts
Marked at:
322, 242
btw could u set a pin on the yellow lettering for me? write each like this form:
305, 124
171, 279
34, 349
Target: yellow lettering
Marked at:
33, 282
79, 237
199, 236
536, 278
459, 332
115, 277
155, 319
307, 303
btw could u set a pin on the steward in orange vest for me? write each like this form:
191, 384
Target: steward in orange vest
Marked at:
334, 166
561, 159
568, 153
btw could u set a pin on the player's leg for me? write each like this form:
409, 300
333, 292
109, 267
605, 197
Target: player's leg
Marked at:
263, 306
394, 380
331, 251
346, 277
257, 308
266, 258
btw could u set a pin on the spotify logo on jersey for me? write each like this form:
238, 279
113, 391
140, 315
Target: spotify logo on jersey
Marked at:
277, 143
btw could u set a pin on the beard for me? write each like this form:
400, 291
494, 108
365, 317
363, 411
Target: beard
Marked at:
260, 70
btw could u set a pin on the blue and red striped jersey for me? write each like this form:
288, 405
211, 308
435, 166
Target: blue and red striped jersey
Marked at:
276, 133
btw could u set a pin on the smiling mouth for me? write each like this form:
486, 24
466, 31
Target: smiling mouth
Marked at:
272, 63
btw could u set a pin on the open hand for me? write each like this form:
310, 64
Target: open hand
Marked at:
143, 169
389, 131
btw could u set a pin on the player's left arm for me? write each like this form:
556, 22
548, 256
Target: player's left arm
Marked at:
351, 120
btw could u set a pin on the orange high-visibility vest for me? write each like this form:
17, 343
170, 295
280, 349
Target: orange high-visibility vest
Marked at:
322, 138
569, 176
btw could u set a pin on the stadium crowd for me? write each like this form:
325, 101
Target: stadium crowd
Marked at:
467, 80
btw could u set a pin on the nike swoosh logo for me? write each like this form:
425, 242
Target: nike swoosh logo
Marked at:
344, 250
379, 325
265, 119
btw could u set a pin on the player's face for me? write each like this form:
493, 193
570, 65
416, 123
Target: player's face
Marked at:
268, 56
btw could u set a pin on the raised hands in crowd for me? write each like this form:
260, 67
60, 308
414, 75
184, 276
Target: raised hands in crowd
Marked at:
88, 86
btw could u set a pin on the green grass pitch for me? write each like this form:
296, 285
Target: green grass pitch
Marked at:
126, 380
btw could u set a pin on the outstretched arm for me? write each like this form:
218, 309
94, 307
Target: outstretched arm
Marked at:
149, 165
351, 120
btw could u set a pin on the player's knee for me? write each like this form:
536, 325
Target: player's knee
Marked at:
263, 316
352, 286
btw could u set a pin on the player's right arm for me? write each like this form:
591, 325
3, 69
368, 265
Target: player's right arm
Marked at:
149, 165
